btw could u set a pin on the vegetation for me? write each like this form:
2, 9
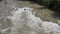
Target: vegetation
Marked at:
52, 4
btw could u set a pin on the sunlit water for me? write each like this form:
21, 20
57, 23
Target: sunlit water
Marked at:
23, 21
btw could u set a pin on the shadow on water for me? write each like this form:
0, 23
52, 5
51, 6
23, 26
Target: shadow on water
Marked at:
54, 6
56, 14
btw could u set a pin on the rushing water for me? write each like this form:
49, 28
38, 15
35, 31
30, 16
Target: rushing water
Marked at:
23, 21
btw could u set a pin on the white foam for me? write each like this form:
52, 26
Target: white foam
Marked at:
24, 22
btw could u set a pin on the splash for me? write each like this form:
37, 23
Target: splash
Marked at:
24, 22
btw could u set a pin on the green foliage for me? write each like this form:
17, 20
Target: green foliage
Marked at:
53, 4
